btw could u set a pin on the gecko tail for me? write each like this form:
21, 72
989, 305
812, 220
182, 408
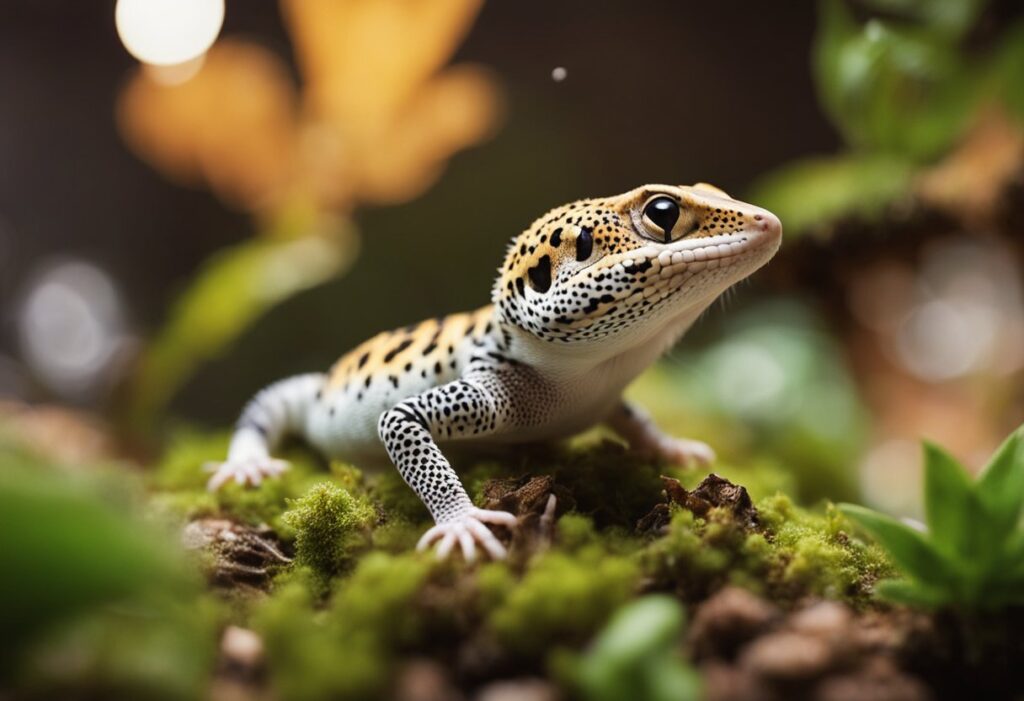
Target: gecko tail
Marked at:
278, 410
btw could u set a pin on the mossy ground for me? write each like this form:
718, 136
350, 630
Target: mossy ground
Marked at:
357, 601
344, 602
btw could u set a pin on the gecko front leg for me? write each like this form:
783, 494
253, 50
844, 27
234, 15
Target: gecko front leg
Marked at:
471, 407
644, 437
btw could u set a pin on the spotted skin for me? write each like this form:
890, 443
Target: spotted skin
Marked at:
587, 297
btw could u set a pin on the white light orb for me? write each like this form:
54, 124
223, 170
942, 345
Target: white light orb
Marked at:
70, 326
168, 32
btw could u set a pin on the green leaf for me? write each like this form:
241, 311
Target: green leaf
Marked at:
67, 551
903, 91
902, 591
908, 548
232, 291
1009, 70
1000, 488
636, 655
812, 194
952, 509
947, 17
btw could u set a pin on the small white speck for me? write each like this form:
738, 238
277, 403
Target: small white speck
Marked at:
559, 74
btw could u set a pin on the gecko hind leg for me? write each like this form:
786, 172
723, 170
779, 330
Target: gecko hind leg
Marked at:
646, 439
276, 411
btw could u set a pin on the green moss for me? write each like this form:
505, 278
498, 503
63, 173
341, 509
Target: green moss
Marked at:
562, 599
326, 523
494, 582
346, 476
353, 535
180, 481
612, 486
576, 531
396, 536
347, 650
797, 554
396, 498
696, 555
378, 595
304, 659
188, 450
815, 554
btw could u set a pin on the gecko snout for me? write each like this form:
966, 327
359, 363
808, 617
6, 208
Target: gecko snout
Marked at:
768, 223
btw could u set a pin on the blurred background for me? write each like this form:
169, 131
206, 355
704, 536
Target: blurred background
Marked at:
183, 221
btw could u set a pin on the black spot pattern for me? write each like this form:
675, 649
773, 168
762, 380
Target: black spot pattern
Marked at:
582, 276
540, 275
603, 286
480, 404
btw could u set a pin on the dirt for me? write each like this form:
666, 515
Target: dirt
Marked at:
748, 649
237, 556
712, 492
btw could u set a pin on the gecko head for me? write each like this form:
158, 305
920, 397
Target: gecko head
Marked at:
618, 270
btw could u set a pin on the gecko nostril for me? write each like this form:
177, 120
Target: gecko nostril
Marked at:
758, 217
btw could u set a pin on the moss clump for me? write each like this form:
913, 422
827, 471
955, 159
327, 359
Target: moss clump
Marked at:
396, 499
495, 581
377, 598
697, 555
181, 466
797, 553
302, 652
181, 481
562, 599
576, 531
326, 523
813, 552
348, 650
612, 486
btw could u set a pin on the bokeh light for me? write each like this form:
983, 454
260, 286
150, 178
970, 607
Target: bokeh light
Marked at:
960, 313
890, 476
177, 73
71, 327
168, 32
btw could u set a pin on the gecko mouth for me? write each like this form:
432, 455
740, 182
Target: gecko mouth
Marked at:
689, 256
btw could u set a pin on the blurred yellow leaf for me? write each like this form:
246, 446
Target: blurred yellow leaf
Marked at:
363, 59
231, 126
451, 112
376, 120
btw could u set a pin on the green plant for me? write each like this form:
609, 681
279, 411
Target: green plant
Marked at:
903, 86
972, 555
87, 579
637, 656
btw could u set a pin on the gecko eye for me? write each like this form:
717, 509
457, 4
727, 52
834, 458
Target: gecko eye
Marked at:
663, 213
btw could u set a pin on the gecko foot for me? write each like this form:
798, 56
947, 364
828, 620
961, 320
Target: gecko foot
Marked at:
680, 451
467, 530
248, 471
